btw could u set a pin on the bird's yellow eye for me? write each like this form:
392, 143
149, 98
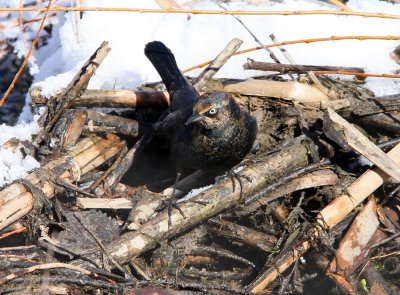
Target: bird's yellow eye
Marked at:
212, 112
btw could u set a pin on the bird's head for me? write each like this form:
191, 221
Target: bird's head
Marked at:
214, 110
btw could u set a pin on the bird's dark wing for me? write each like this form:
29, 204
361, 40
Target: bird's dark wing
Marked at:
173, 122
181, 91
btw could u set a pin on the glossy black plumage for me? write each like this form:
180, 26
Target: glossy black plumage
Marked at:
209, 132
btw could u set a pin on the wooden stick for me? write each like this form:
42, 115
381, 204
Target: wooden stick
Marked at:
110, 98
313, 179
16, 201
217, 63
294, 68
73, 129
103, 203
377, 75
216, 199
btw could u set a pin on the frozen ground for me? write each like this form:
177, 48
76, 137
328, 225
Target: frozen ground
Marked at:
194, 39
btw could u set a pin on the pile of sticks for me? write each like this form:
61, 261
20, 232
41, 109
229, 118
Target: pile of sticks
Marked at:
246, 238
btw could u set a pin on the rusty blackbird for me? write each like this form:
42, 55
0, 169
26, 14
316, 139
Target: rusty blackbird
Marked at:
208, 132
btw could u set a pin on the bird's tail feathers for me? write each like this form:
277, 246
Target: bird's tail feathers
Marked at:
164, 62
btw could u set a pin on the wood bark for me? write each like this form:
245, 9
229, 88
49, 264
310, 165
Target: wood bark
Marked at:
121, 98
294, 68
241, 234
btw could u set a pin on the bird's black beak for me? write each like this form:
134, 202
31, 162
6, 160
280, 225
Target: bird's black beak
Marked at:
194, 118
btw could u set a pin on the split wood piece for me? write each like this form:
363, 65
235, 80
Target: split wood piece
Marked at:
109, 98
353, 245
72, 129
110, 123
295, 68
16, 201
331, 215
293, 91
208, 203
78, 83
217, 63
241, 234
313, 179
107, 203
345, 134
104, 203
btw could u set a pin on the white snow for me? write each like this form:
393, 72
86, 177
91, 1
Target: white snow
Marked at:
197, 38
13, 163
